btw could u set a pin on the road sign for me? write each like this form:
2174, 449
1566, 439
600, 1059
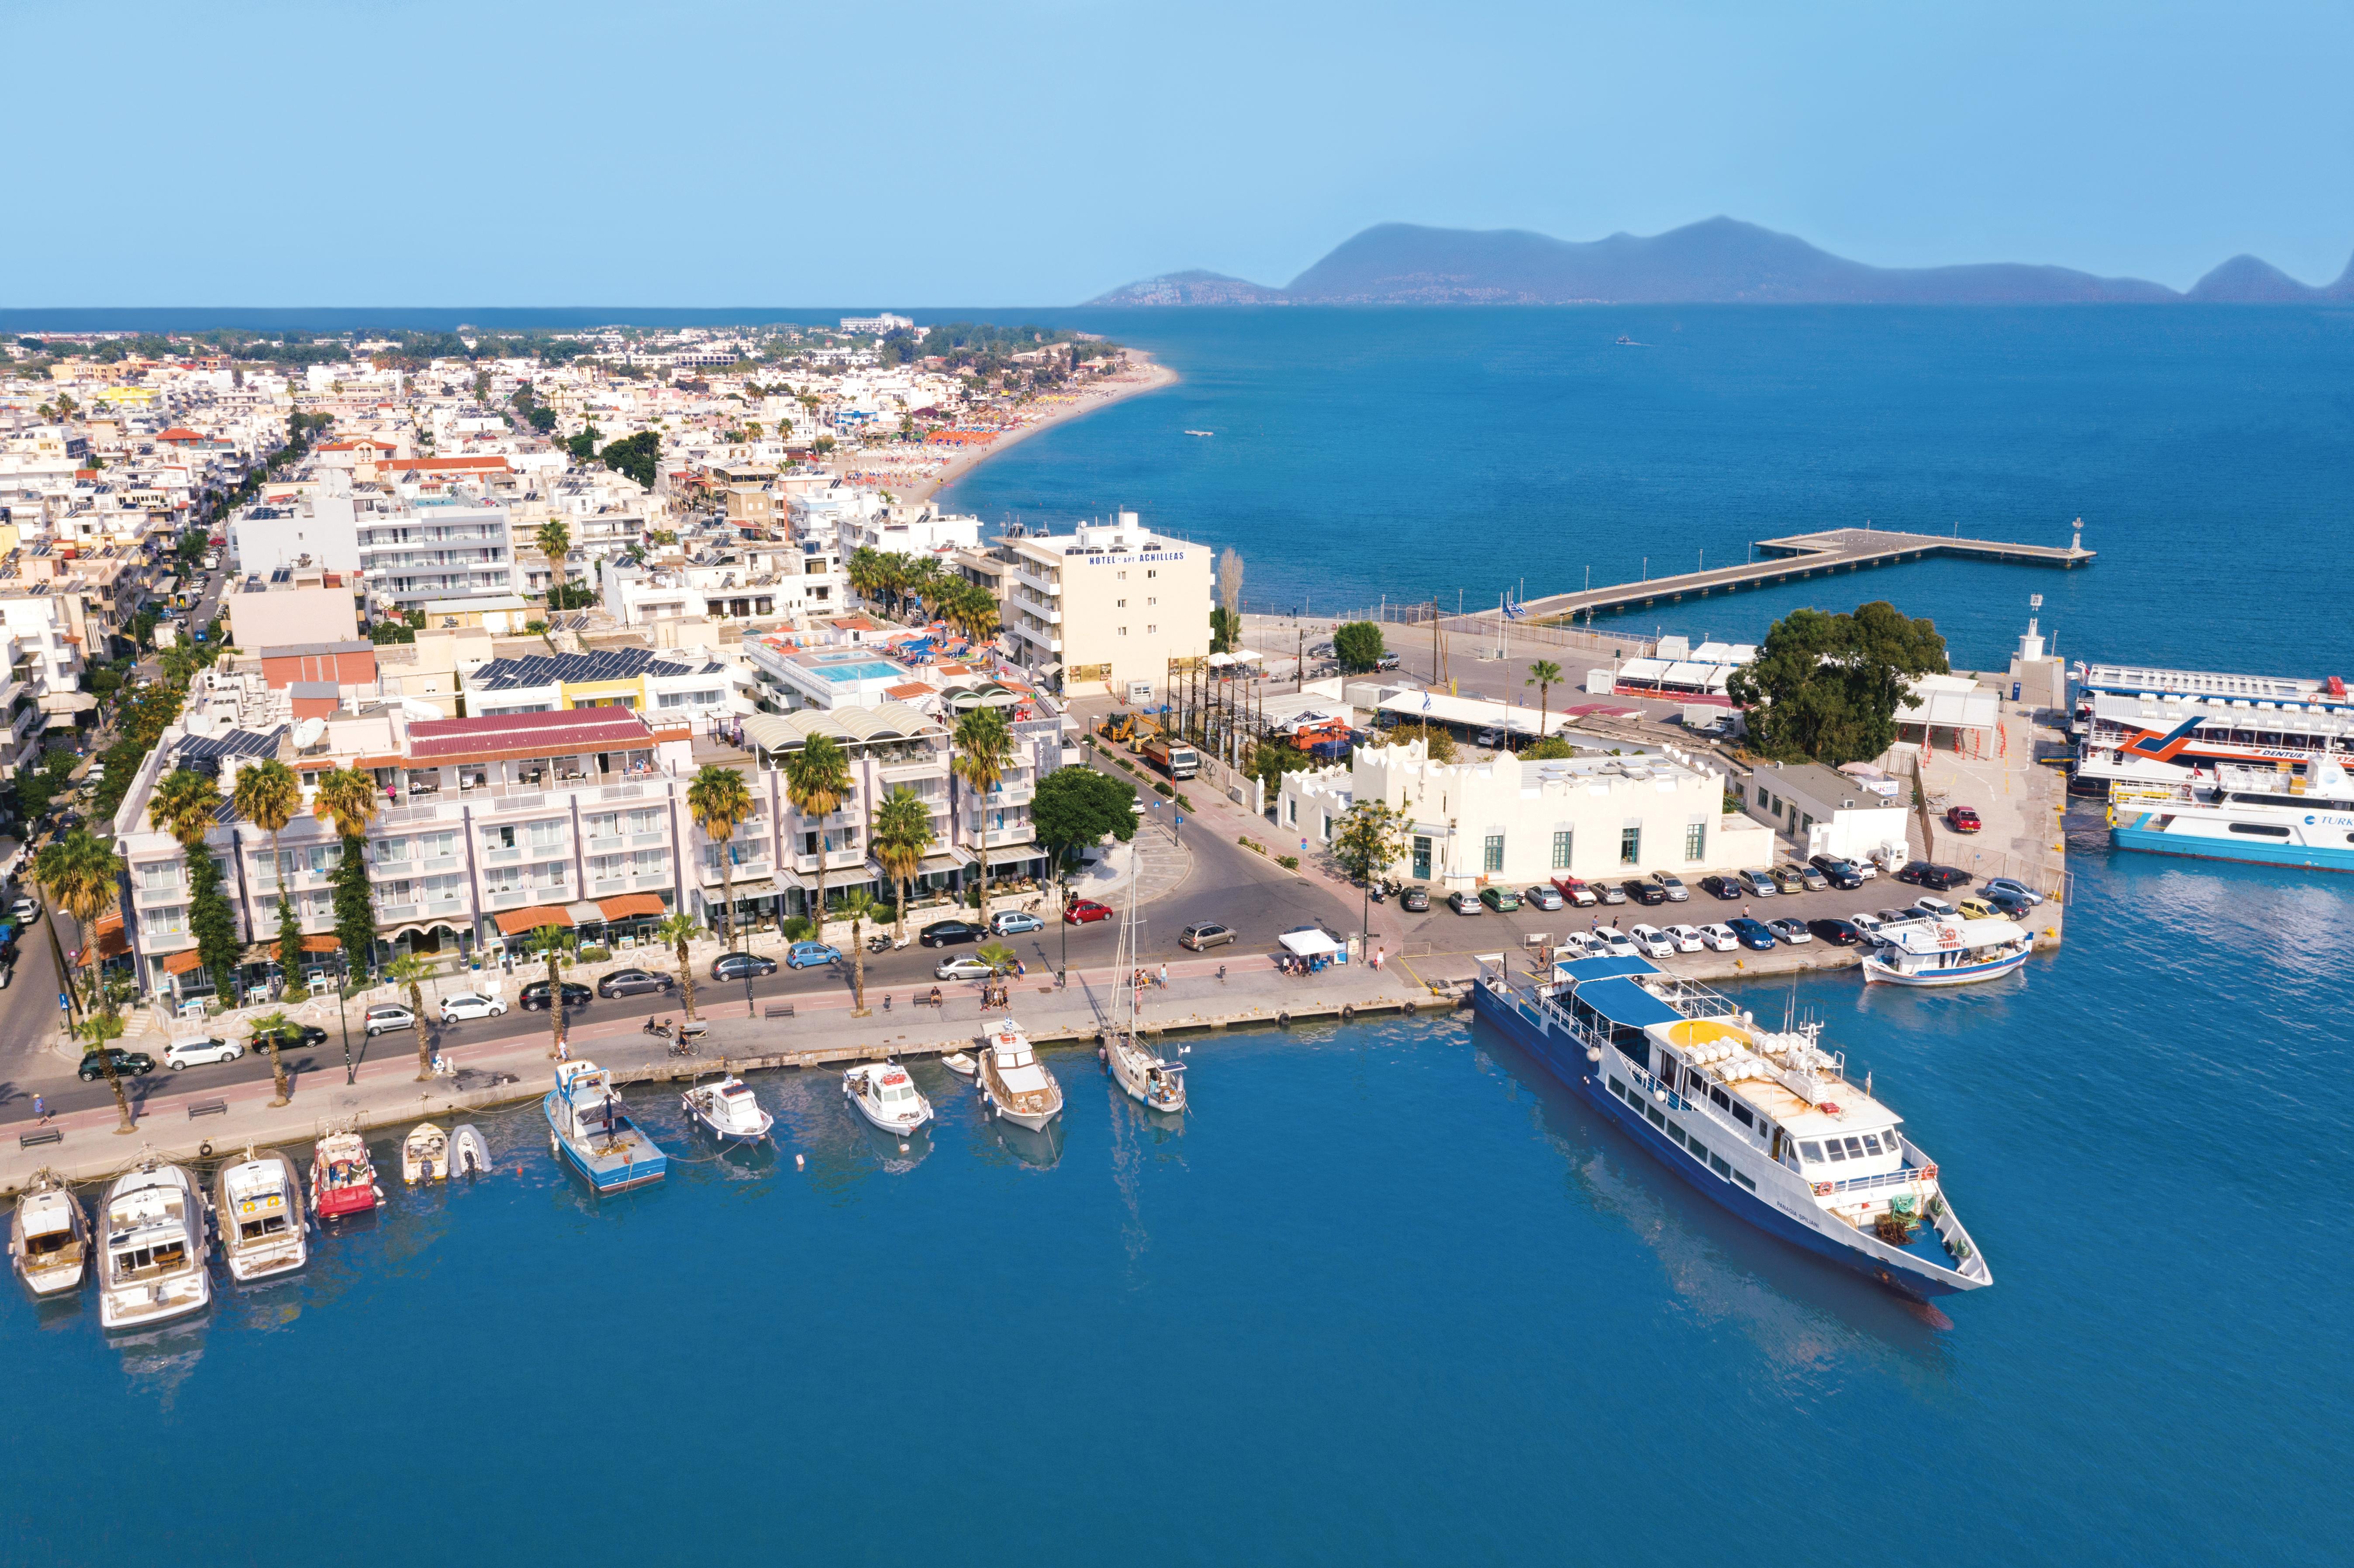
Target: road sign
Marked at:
62, 1002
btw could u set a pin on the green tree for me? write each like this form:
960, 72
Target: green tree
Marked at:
1226, 629
554, 541
211, 921
346, 798
82, 876
1076, 807
719, 803
1827, 687
409, 971
1369, 838
1358, 646
985, 746
271, 1032
1439, 745
1544, 675
638, 456
554, 946
900, 833
817, 781
678, 930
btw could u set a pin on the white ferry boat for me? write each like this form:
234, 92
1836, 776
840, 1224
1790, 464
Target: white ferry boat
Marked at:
1764, 1122
1946, 951
2268, 816
2137, 725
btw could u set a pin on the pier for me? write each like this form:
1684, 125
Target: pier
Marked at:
1798, 556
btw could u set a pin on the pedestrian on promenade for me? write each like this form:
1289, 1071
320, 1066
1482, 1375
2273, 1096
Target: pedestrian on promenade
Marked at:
1165, 977
40, 1109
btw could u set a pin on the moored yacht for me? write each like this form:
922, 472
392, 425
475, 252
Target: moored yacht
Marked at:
886, 1097
728, 1111
1140, 1071
258, 1203
1764, 1122
592, 1131
1014, 1083
1946, 951
343, 1178
48, 1237
153, 1268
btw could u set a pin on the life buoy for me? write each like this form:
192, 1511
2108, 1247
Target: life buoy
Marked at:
205, 1149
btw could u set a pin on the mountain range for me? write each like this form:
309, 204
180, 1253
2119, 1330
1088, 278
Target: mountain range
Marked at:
1719, 261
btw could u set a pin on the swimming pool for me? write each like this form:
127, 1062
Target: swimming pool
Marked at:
865, 670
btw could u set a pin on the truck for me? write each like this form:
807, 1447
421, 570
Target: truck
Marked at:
1174, 757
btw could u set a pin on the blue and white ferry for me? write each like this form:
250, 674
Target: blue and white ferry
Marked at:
591, 1130
2269, 816
1765, 1122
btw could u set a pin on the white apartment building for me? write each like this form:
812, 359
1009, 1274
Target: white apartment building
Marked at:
1115, 603
435, 550
906, 530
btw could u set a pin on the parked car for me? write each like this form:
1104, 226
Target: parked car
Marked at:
1838, 933
1502, 900
1416, 900
24, 911
291, 1036
1937, 906
1463, 902
1896, 916
385, 1019
1868, 924
1787, 879
947, 933
1576, 891
127, 1063
1752, 934
1673, 887
1015, 923
181, 1053
1922, 873
1839, 874
812, 955
966, 967
1205, 934
1652, 942
1758, 884
1542, 898
633, 983
1608, 892
740, 965
533, 996
1722, 887
469, 1004
1977, 909
1644, 891
1718, 937
2011, 904
1812, 877
1962, 820
1792, 931
1685, 937
2011, 885
1086, 912
1615, 943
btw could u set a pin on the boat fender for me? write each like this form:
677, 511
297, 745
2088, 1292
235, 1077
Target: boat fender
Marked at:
1347, 1013
205, 1149
1411, 1008
1594, 1052
1283, 1021
801, 1161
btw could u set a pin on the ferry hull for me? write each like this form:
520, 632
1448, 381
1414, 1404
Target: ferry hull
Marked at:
2249, 850
1563, 1056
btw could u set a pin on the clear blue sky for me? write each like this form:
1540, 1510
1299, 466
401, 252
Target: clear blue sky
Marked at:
1037, 151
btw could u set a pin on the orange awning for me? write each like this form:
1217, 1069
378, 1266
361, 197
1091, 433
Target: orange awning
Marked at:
630, 906
183, 963
515, 921
322, 944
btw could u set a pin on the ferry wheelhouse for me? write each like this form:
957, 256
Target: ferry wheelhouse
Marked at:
1764, 1122
1946, 951
2268, 816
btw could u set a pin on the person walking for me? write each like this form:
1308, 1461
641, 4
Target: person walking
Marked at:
40, 1109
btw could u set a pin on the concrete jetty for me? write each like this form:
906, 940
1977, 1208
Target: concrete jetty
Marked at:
1801, 555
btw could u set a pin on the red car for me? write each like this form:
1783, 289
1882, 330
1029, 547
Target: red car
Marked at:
1082, 911
1962, 820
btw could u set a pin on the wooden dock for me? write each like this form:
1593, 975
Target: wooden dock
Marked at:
1797, 556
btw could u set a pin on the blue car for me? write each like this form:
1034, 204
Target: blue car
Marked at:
1752, 934
805, 955
1014, 923
2010, 902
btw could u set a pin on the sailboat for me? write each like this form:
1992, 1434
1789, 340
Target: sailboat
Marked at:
1135, 1066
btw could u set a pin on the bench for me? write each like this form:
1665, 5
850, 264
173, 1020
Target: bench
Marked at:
207, 1107
779, 1009
39, 1136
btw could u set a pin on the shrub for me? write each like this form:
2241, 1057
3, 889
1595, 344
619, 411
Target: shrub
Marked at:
1288, 862
795, 928
1126, 766
595, 954
1184, 802
1160, 789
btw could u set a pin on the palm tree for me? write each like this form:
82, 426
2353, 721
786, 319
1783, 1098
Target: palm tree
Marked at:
81, 876
186, 805
411, 971
678, 930
555, 543
901, 833
719, 801
347, 798
1544, 675
270, 1033
861, 906
553, 943
268, 795
817, 780
984, 743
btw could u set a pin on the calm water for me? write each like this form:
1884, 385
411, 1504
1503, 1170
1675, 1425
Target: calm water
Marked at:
1421, 453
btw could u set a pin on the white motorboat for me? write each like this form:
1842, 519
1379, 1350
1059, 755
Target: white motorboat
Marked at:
258, 1203
962, 1065
470, 1152
886, 1097
156, 1243
48, 1239
1014, 1083
727, 1110
425, 1154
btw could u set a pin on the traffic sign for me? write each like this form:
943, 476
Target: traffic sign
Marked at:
62, 1002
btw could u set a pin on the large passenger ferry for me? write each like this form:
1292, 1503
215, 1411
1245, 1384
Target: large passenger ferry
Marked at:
1764, 1121
2269, 816
2137, 725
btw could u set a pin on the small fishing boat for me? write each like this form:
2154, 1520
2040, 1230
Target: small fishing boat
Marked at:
592, 1131
962, 1065
1014, 1083
470, 1152
343, 1178
886, 1097
727, 1110
258, 1205
48, 1239
425, 1154
154, 1267
1946, 951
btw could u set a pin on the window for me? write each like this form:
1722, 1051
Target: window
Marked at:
1695, 840
1630, 846
1561, 842
1119, 604
1854, 1148
1151, 629
547, 835
1291, 812
1493, 857
1326, 830
1123, 631
1153, 571
1811, 1152
2263, 830
1658, 1117
1149, 601
1700, 1151
1618, 1088
1839, 1153
1718, 1164
160, 873
1744, 1181
1872, 1143
1121, 576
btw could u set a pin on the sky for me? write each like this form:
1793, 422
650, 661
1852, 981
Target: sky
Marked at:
1039, 152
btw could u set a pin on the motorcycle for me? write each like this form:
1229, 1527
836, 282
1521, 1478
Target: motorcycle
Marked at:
883, 942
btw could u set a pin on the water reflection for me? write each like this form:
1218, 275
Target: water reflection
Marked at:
1042, 1150
160, 1360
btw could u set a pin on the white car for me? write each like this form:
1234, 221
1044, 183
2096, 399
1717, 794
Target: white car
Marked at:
182, 1053
1615, 943
1936, 905
1718, 937
1652, 942
962, 969
1868, 925
1576, 945
1685, 937
379, 1019
455, 1008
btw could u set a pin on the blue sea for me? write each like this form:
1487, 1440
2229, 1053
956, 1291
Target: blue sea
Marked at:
1391, 1295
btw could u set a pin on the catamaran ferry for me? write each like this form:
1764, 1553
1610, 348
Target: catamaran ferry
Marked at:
2144, 726
1764, 1121
2272, 817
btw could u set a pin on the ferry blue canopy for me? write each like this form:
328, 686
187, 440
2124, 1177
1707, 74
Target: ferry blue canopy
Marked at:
1604, 967
1624, 1001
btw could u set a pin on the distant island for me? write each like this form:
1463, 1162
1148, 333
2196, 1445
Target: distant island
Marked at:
1719, 261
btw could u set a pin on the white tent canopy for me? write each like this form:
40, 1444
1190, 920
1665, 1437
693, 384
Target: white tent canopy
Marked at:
1310, 944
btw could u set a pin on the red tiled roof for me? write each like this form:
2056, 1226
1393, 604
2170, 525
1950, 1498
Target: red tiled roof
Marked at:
526, 735
908, 691
322, 944
183, 963
182, 433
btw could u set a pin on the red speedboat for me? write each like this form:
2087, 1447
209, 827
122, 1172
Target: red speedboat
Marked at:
343, 1181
